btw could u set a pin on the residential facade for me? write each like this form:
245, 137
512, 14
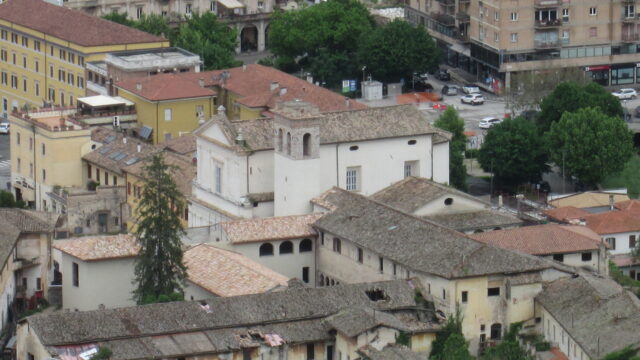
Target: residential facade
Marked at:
43, 62
620, 229
497, 40
274, 167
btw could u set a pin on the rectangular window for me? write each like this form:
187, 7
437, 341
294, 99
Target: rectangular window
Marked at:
24, 61
128, 188
24, 84
72, 58
14, 38
19, 165
80, 82
218, 178
52, 95
51, 71
593, 11
565, 15
612, 243
36, 66
139, 12
465, 297
353, 178
360, 256
558, 257
44, 175
3, 34
411, 168
514, 37
632, 242
115, 180
63, 54
97, 175
70, 79
4, 78
444, 294
14, 82
494, 291
305, 274
89, 171
496, 15
586, 256
106, 178
76, 275
187, 9
514, 16
381, 264
38, 284
3, 55
167, 114
311, 352
25, 41
36, 45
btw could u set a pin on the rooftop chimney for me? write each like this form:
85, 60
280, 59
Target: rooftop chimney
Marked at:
283, 91
138, 86
124, 140
611, 202
139, 148
240, 138
274, 85
244, 67
201, 82
347, 102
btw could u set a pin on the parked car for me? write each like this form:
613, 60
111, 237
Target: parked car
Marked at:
4, 128
418, 86
488, 122
443, 75
473, 99
470, 89
449, 90
625, 94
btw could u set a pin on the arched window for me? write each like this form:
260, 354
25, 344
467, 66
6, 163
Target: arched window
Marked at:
266, 249
279, 140
496, 332
306, 245
321, 280
306, 145
286, 247
288, 143
337, 245
326, 281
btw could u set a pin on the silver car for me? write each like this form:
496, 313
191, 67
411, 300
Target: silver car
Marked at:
473, 99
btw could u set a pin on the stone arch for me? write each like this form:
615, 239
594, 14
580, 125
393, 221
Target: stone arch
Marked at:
286, 247
288, 143
266, 249
306, 144
249, 38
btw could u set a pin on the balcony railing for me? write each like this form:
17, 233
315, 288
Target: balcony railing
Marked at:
548, 23
444, 19
546, 3
546, 44
463, 17
447, 2
630, 17
630, 37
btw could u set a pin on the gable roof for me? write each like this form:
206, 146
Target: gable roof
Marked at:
226, 273
566, 213
272, 228
412, 193
165, 87
182, 170
71, 25
188, 318
335, 127
14, 222
586, 305
613, 222
356, 320
543, 239
95, 248
629, 205
118, 151
419, 244
474, 220
184, 144
252, 84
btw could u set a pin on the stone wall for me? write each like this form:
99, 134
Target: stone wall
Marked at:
96, 212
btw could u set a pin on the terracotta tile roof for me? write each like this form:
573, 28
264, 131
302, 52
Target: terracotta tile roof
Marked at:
115, 154
566, 213
226, 273
165, 87
183, 173
624, 260
273, 228
71, 25
613, 222
252, 83
557, 354
629, 205
588, 199
183, 145
94, 248
542, 239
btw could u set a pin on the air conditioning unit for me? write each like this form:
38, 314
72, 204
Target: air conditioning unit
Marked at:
116, 121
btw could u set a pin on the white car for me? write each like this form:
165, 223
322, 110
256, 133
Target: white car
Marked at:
4, 128
624, 94
470, 89
488, 122
473, 99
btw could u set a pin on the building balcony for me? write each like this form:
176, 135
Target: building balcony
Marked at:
20, 264
630, 37
630, 17
546, 44
544, 24
444, 19
464, 1
463, 17
628, 1
546, 3
447, 2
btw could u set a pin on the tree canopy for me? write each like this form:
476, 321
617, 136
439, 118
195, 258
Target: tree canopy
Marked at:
159, 269
450, 343
515, 152
451, 121
397, 50
509, 348
322, 39
570, 97
631, 177
591, 144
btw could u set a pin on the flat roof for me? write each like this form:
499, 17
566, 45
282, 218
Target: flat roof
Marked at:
103, 100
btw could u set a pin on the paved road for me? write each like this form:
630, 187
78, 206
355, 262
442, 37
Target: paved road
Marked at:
5, 166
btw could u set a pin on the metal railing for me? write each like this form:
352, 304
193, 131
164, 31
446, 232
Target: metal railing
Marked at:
546, 3
546, 44
548, 23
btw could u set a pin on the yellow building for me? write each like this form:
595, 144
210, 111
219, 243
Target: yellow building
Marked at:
183, 173
168, 105
44, 48
45, 150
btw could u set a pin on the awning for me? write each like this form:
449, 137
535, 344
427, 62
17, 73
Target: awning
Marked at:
102, 100
231, 4
597, 68
464, 50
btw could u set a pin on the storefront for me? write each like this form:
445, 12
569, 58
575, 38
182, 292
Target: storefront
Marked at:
623, 74
599, 74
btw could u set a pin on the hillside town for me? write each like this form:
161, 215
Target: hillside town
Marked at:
319, 180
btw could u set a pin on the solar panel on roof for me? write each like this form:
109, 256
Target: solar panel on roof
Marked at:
109, 139
131, 161
145, 132
120, 157
104, 149
114, 155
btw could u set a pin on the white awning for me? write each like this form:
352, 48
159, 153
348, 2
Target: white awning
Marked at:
103, 100
464, 50
231, 4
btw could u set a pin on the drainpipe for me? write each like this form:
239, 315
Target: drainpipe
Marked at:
337, 167
35, 172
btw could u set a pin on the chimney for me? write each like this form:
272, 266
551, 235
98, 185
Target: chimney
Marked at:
201, 82
221, 109
283, 91
347, 103
611, 202
139, 148
138, 86
124, 140
274, 85
240, 138
244, 67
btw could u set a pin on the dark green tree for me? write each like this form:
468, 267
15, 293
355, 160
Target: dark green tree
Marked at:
155, 24
452, 327
455, 348
322, 39
631, 177
120, 18
397, 50
627, 353
104, 353
214, 41
7, 200
515, 152
570, 97
509, 348
591, 144
159, 268
450, 121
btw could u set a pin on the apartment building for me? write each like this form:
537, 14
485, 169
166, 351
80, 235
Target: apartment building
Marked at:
498, 39
44, 49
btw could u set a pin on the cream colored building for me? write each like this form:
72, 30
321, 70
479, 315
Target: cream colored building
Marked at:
497, 39
299, 323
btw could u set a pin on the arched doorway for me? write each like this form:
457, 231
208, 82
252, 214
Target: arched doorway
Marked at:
266, 36
249, 38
